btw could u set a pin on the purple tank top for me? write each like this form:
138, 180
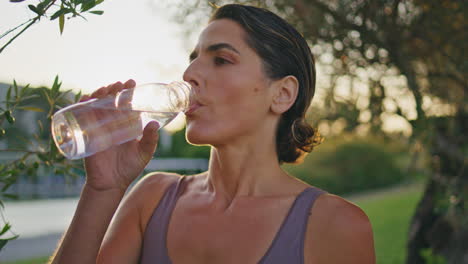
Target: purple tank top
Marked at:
287, 246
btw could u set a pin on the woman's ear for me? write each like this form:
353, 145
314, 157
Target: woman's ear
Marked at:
286, 90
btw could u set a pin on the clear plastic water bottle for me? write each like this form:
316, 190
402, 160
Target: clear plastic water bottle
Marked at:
85, 128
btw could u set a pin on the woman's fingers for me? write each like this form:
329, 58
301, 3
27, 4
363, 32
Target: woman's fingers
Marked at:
149, 140
115, 88
111, 89
100, 93
85, 98
129, 84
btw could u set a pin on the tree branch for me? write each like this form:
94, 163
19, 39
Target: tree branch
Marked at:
17, 35
34, 20
15, 28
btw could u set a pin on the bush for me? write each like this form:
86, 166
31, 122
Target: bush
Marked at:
352, 166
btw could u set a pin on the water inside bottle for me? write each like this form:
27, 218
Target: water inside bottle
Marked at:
79, 135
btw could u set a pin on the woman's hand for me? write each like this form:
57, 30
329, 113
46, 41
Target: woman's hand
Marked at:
117, 167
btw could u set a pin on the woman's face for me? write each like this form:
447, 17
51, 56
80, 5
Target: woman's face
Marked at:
231, 95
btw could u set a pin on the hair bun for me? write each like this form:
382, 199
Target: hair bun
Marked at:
305, 137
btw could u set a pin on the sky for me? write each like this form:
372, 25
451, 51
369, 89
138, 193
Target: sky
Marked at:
132, 39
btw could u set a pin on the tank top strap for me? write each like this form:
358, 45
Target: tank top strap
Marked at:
288, 245
154, 247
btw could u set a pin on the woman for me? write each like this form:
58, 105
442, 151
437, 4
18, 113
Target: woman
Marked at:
253, 78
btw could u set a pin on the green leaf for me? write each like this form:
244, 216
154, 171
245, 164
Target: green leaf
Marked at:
87, 5
30, 97
99, 1
16, 1
46, 94
97, 12
77, 96
55, 86
9, 117
15, 86
60, 12
8, 96
3, 242
30, 108
24, 90
5, 228
62, 18
61, 23
36, 10
41, 6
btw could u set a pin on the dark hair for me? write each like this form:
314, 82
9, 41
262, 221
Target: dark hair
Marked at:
283, 52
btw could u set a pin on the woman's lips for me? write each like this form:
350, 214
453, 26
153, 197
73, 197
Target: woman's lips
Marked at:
192, 108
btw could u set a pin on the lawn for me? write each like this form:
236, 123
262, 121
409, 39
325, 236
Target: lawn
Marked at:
389, 211
30, 261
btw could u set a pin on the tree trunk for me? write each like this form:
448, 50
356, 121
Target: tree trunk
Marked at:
440, 222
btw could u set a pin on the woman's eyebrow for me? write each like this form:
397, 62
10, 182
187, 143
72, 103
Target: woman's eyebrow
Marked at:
218, 46
213, 48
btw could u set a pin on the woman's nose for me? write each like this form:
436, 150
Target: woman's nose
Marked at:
191, 76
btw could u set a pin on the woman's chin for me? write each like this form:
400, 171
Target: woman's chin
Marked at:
196, 137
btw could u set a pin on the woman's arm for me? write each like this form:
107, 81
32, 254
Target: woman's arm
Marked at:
83, 238
123, 240
108, 175
338, 232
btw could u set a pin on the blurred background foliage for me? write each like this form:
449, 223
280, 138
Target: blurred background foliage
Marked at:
350, 164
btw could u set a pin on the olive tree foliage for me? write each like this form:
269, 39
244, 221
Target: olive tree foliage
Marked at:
37, 151
29, 153
398, 60
52, 10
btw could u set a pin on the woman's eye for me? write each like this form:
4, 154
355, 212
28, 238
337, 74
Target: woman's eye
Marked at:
220, 61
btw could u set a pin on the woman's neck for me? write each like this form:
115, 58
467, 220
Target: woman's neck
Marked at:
247, 170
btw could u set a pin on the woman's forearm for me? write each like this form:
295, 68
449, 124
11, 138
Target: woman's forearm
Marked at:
83, 238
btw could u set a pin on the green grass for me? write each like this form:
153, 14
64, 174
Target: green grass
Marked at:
390, 214
389, 211
30, 261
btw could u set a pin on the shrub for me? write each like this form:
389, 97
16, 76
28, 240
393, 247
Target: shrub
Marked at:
351, 166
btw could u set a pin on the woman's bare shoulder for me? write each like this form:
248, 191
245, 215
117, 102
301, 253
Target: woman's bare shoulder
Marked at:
338, 232
156, 181
122, 242
336, 207
151, 188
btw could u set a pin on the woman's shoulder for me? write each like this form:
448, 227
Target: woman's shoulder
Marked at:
156, 181
148, 191
336, 207
152, 186
338, 225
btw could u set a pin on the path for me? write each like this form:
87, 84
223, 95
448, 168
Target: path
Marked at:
40, 225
